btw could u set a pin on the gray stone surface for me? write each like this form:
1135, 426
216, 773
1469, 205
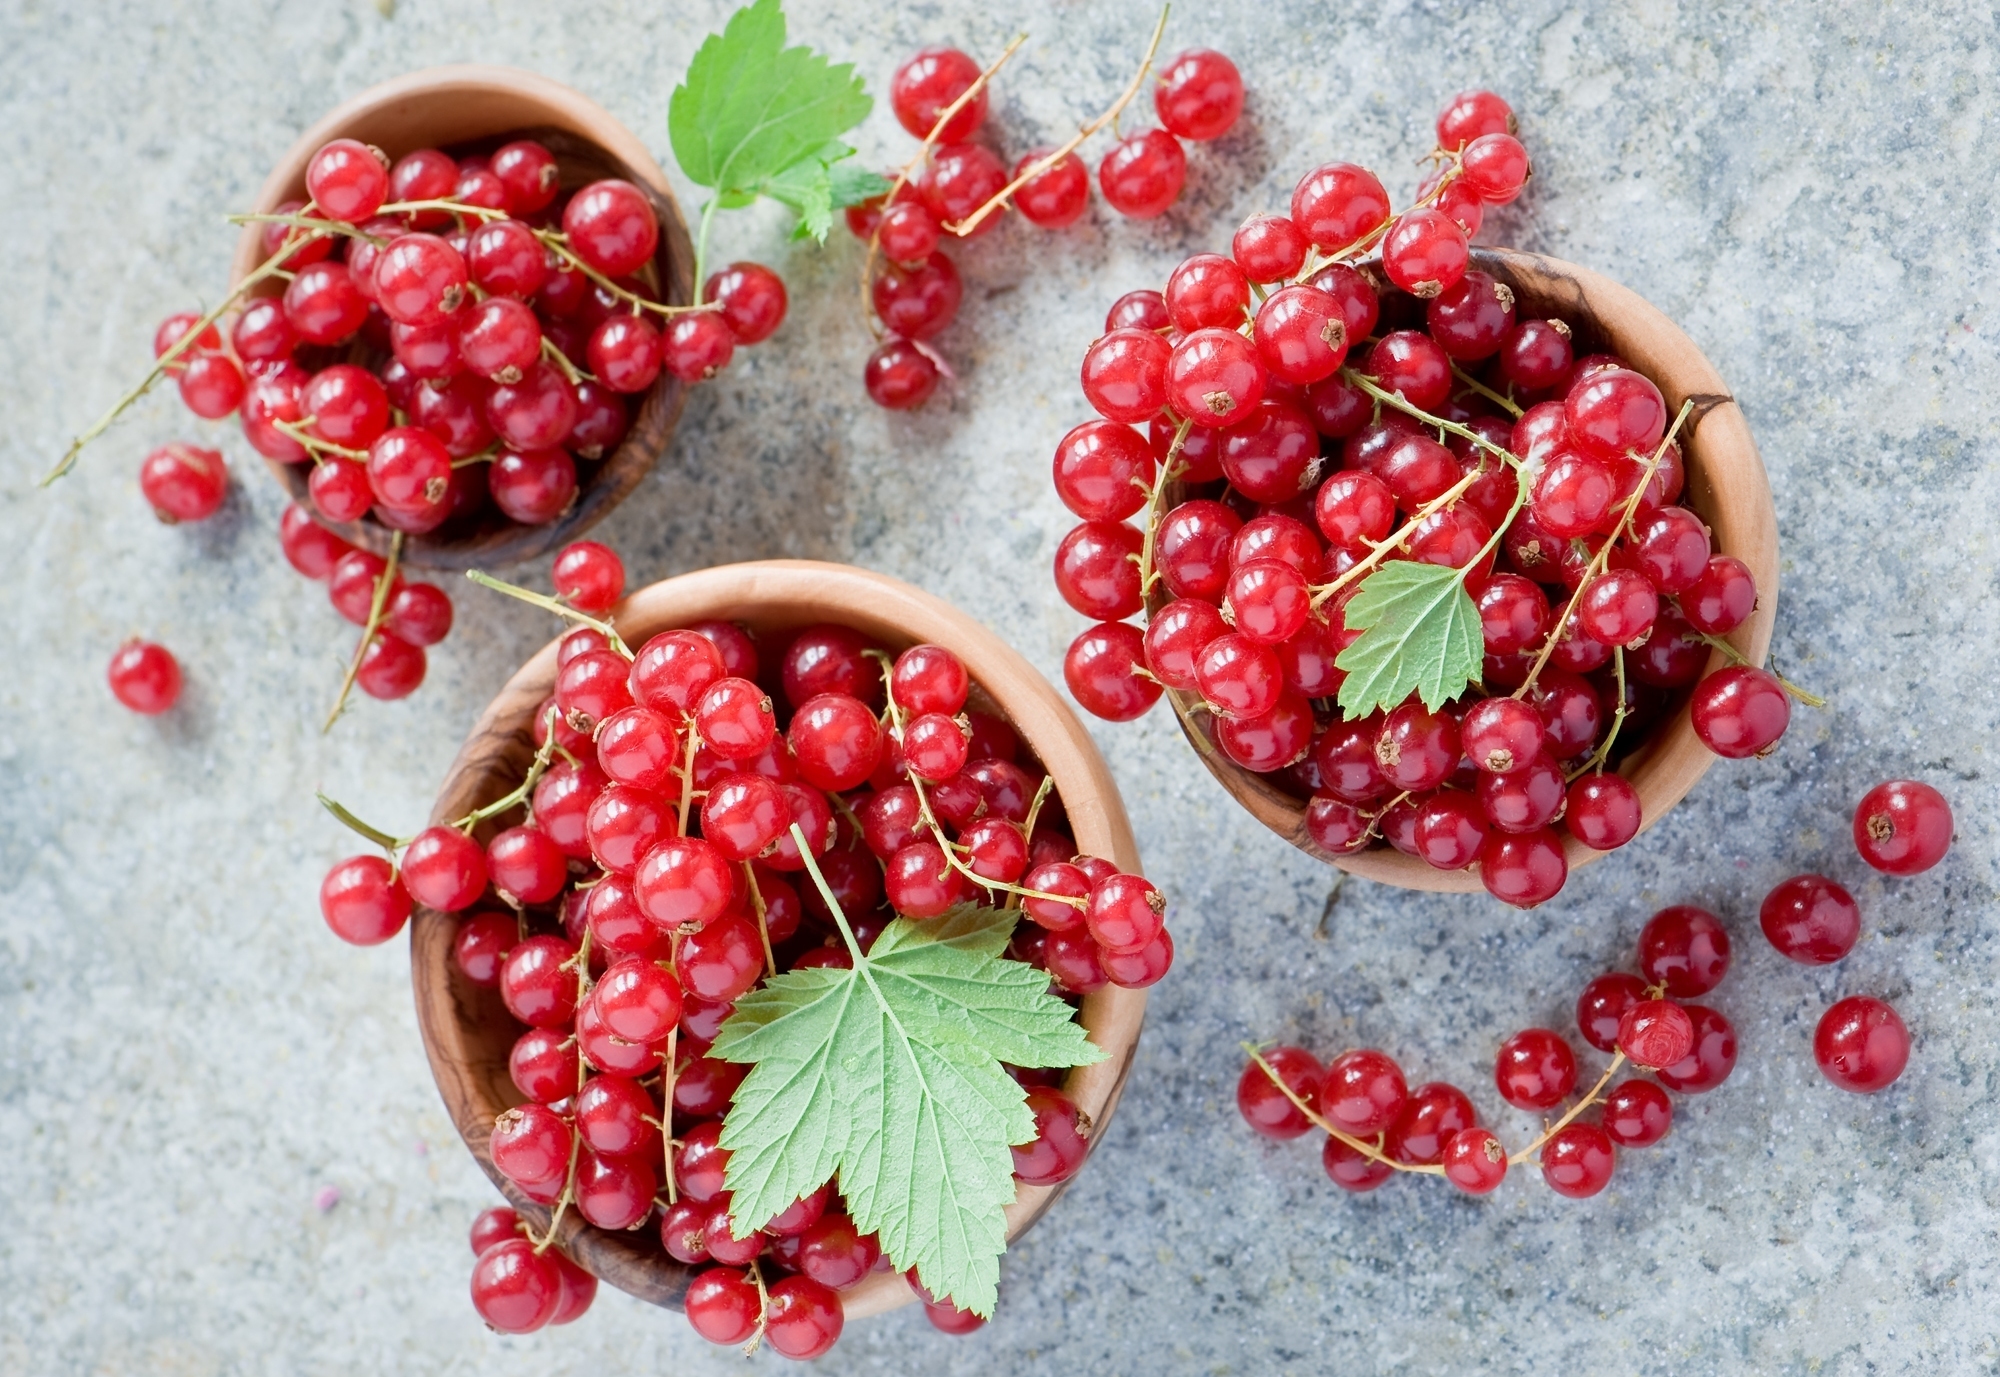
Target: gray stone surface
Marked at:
188, 1063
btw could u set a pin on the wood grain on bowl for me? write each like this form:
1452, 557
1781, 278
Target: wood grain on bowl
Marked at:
1726, 487
445, 107
468, 1033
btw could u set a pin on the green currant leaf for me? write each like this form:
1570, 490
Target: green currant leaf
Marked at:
1419, 633
818, 186
888, 1076
751, 108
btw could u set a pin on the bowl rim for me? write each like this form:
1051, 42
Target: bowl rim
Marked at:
467, 96
1726, 485
794, 593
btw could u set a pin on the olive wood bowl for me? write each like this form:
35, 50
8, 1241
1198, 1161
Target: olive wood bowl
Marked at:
467, 1031
449, 107
1726, 487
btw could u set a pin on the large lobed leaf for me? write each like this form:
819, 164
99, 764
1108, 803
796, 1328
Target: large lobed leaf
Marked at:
1420, 634
751, 108
888, 1076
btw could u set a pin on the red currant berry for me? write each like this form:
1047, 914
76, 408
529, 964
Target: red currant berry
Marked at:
1470, 319
960, 178
1496, 167
144, 677
444, 869
1637, 1113
1613, 411
919, 300
1474, 1161
211, 385
347, 180
1535, 1069
1410, 363
1434, 1113
622, 826
1451, 830
1603, 811
363, 902
1425, 252
1902, 827
1214, 378
625, 352
1362, 1092
1199, 96
1811, 919
1721, 597
1602, 1005
1269, 248
1502, 735
673, 670
899, 376
612, 227
802, 1318
1740, 711
1655, 1033
1685, 949
1142, 175
925, 87
836, 740
1339, 205
535, 413
1861, 1045
1096, 569
589, 577
723, 1305
698, 346
752, 298
1061, 1140
323, 306
1471, 114
1301, 335
1577, 1161
1101, 670
1208, 290
1265, 1107
1713, 1057
1055, 197
833, 1252
1351, 1169
515, 1289
1125, 374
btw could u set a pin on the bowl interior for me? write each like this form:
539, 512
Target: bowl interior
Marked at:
467, 1031
1726, 486
474, 110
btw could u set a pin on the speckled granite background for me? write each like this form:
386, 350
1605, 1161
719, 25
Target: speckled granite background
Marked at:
190, 1067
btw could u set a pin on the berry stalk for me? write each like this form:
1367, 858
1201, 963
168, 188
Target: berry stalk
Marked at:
1000, 198
1372, 1151
547, 603
378, 604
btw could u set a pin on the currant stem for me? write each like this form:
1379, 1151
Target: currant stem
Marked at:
687, 769
763, 1307
558, 243
375, 834
563, 364
378, 604
315, 446
701, 246
826, 893
458, 208
667, 1110
1603, 555
1527, 1153
1602, 754
930, 818
543, 600
1041, 165
1395, 399
518, 795
966, 97
307, 222
1170, 468
1372, 1151
171, 355
763, 924
1737, 657
1501, 400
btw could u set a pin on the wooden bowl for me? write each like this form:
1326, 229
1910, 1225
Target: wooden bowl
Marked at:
468, 1032
446, 107
1726, 486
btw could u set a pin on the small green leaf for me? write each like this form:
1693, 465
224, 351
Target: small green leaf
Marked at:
817, 186
888, 1076
853, 184
750, 107
1419, 633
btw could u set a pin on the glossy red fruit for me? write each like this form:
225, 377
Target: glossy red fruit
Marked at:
1721, 597
1740, 711
1502, 735
515, 1289
1523, 869
1602, 1005
1902, 827
362, 901
1265, 1107
1713, 1057
1425, 252
1214, 378
1301, 334
1351, 1169
1637, 1113
1434, 1113
1269, 248
1143, 173
1208, 290
1496, 167
1577, 1161
611, 226
1451, 830
1474, 1160
444, 869
836, 740
682, 881
958, 180
144, 677
1362, 1092
802, 1318
1199, 95
1535, 1069
723, 1305
1655, 1033
1100, 670
918, 300
1811, 920
1125, 374
1470, 114
752, 298
1338, 205
1603, 811
1684, 948
1410, 363
1060, 1144
1614, 411
899, 376
1861, 1045
347, 180
924, 87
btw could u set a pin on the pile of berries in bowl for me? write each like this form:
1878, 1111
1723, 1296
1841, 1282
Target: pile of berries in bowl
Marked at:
681, 855
1457, 565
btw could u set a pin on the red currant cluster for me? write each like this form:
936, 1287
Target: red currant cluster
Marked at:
475, 339
1377, 1126
957, 188
1464, 438
628, 921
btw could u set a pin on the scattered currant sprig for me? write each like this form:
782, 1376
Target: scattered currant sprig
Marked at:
952, 189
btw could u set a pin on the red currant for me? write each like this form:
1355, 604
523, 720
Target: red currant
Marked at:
1902, 827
